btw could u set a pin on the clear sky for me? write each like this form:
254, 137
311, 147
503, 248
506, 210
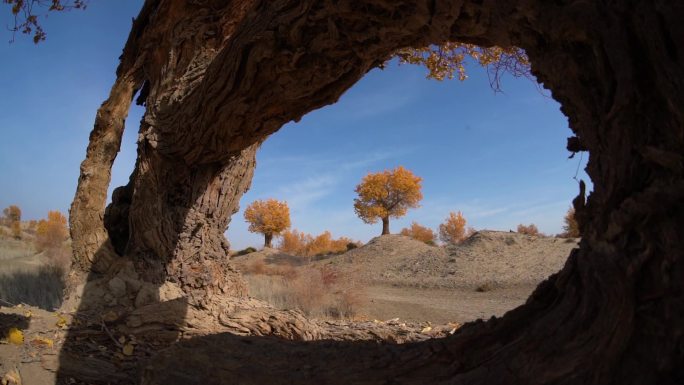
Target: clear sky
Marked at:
498, 158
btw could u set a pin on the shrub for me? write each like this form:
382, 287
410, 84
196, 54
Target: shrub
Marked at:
15, 229
31, 226
299, 243
51, 233
352, 246
294, 242
530, 229
419, 233
571, 227
246, 251
453, 228
322, 292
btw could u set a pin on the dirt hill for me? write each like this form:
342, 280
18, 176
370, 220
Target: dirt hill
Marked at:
491, 258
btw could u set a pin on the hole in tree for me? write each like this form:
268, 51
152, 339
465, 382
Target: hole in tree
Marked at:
498, 158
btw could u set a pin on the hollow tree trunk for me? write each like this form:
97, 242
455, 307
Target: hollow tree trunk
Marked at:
612, 315
385, 226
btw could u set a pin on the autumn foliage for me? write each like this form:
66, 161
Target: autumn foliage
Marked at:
419, 233
453, 230
447, 61
387, 194
530, 229
268, 217
571, 227
12, 219
51, 232
299, 243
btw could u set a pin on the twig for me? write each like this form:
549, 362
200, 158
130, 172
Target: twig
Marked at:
109, 333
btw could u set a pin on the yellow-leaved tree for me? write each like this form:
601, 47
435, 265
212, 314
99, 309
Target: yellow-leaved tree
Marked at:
453, 230
51, 232
387, 194
268, 217
419, 233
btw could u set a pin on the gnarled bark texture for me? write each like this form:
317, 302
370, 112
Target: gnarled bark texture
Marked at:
220, 77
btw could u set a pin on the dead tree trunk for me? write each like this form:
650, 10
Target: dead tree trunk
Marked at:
221, 78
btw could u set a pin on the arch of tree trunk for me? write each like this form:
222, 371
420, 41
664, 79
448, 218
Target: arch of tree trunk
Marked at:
217, 78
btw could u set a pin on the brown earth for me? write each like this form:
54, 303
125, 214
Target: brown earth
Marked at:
486, 275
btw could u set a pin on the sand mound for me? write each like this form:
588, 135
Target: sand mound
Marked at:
491, 258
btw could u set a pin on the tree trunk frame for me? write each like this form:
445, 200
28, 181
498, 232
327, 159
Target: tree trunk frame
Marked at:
217, 78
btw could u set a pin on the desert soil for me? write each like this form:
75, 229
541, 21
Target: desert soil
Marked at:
487, 275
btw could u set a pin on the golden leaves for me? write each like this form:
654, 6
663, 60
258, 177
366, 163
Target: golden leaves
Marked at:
453, 229
127, 349
267, 217
530, 229
447, 61
15, 336
299, 243
61, 321
386, 194
52, 232
419, 233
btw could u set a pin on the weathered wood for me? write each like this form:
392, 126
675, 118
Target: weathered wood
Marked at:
223, 76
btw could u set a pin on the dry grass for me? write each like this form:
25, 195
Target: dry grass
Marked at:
42, 287
30, 278
15, 248
318, 292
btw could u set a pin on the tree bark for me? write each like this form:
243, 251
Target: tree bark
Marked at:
268, 237
385, 226
222, 77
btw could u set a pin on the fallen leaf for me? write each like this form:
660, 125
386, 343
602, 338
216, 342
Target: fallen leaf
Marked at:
11, 378
15, 336
61, 321
127, 350
43, 341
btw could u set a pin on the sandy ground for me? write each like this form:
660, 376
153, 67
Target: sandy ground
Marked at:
440, 306
487, 275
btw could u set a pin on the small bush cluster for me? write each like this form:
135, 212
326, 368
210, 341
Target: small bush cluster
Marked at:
319, 292
299, 243
530, 229
454, 229
51, 234
419, 233
246, 251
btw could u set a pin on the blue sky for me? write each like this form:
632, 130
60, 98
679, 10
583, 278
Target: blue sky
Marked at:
498, 158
